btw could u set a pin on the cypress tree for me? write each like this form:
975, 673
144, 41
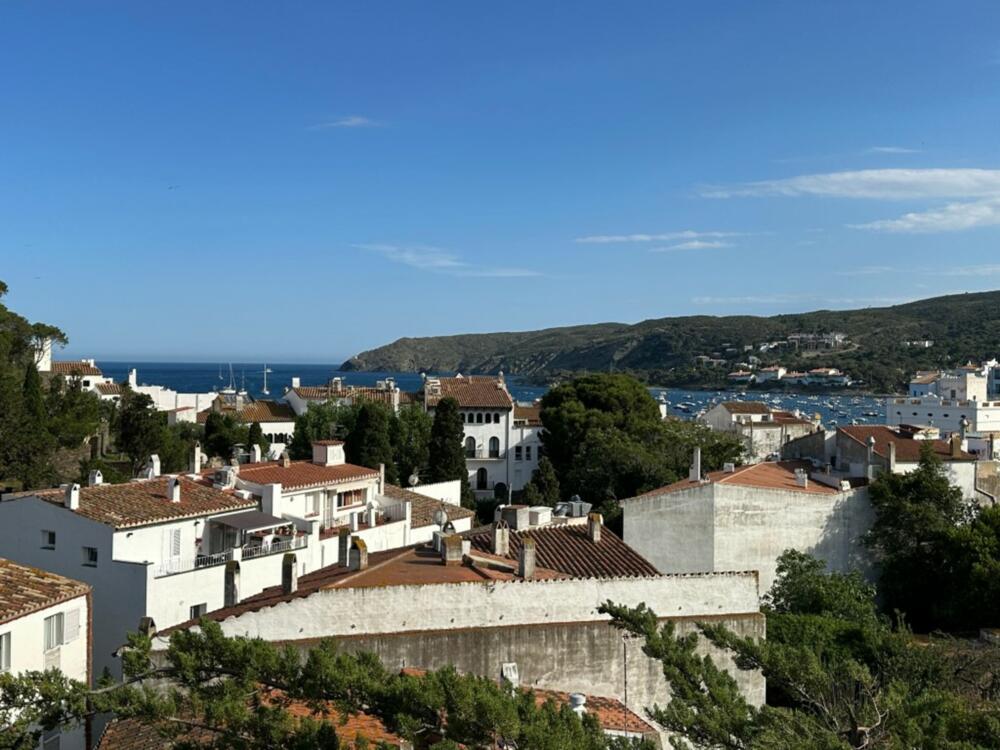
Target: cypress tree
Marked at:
369, 442
446, 456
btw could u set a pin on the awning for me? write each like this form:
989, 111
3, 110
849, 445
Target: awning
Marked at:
251, 520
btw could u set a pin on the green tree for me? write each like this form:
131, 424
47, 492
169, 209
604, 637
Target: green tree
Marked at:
411, 438
139, 428
32, 453
543, 488
369, 443
838, 675
223, 432
238, 692
323, 421
255, 436
446, 455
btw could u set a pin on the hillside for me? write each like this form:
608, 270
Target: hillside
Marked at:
664, 351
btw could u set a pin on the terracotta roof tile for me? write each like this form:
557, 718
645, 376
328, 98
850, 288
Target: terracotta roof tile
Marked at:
423, 508
567, 549
301, 474
75, 368
746, 407
907, 449
110, 389
24, 590
532, 415
266, 411
610, 713
472, 391
145, 502
352, 392
774, 475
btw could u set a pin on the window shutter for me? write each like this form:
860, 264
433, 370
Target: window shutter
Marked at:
175, 543
71, 625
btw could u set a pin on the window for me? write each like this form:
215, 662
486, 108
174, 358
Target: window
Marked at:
5, 652
198, 610
470, 447
494, 447
496, 418
488, 417
48, 539
517, 453
527, 453
53, 631
351, 497
479, 418
90, 557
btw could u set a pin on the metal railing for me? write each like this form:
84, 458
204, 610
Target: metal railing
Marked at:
173, 567
483, 453
274, 548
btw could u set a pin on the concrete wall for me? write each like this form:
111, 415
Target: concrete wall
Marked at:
447, 492
728, 527
587, 657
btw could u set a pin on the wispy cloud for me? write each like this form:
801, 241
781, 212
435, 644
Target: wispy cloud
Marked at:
976, 195
866, 271
687, 234
983, 270
436, 260
892, 150
693, 245
352, 121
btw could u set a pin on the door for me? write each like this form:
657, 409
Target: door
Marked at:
481, 479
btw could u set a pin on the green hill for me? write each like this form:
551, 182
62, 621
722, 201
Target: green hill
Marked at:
664, 351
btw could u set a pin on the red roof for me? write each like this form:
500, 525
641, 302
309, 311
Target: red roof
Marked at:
301, 474
532, 415
75, 368
774, 475
423, 508
471, 391
907, 449
746, 407
24, 590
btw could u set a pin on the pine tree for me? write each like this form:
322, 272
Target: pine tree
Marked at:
446, 457
544, 484
255, 436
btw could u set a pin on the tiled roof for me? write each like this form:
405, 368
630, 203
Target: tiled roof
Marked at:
610, 713
110, 389
530, 414
24, 590
472, 391
907, 449
145, 502
301, 474
746, 407
266, 411
925, 378
567, 549
773, 475
75, 368
354, 392
422, 508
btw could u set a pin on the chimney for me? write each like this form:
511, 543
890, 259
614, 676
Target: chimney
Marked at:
963, 427
695, 474
344, 546
133, 378
501, 538
174, 489
231, 590
296, 382
801, 478
255, 454
381, 478
578, 704
147, 627
956, 445
289, 574
526, 563
870, 459
594, 523
892, 457
196, 458
153, 466
452, 550
729, 467
359, 554
72, 498
285, 460
95, 478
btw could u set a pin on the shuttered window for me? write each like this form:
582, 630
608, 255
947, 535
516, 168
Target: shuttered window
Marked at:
54, 631
4, 652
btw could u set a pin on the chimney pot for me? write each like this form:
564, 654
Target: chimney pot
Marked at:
956, 445
95, 478
289, 574
359, 554
892, 457
296, 382
72, 499
501, 538
153, 466
196, 459
695, 475
147, 627
344, 546
174, 489
526, 566
452, 550
285, 460
255, 454
594, 523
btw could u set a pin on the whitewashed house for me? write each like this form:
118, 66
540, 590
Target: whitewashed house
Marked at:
299, 397
761, 429
45, 624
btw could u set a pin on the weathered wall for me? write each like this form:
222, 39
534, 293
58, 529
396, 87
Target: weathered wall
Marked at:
587, 657
674, 531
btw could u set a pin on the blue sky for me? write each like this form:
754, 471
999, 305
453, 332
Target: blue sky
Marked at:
302, 181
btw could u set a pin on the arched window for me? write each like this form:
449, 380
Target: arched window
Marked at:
470, 447
496, 418
482, 479
494, 447
479, 418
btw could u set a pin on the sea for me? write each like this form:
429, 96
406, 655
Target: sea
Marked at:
200, 377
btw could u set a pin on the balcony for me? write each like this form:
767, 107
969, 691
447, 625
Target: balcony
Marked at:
249, 552
483, 454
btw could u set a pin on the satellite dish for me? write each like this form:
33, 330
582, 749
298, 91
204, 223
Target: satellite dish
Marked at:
413, 479
440, 517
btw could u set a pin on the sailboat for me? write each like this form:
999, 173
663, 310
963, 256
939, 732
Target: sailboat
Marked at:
231, 388
264, 389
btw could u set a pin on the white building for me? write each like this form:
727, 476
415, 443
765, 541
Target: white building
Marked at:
299, 397
45, 624
775, 372
171, 548
743, 518
84, 370
761, 429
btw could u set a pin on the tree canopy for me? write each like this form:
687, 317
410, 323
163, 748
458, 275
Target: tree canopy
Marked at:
369, 443
446, 455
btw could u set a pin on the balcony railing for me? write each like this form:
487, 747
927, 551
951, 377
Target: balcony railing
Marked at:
483, 453
173, 567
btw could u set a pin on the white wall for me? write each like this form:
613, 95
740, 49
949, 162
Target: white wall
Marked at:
447, 492
27, 642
